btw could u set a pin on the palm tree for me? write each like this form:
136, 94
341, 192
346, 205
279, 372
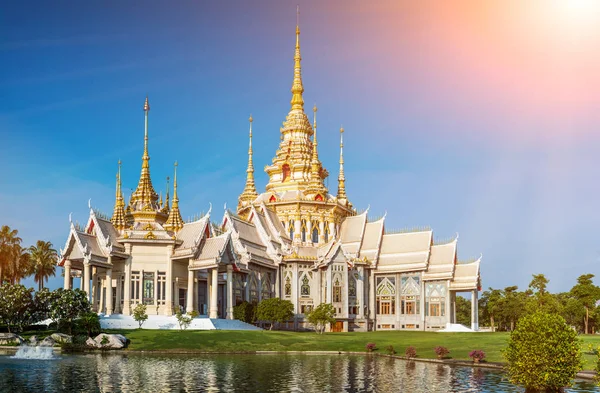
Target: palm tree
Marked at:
21, 265
9, 239
43, 262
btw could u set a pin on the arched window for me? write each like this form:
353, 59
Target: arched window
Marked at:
326, 234
285, 169
303, 230
288, 286
315, 235
291, 225
337, 291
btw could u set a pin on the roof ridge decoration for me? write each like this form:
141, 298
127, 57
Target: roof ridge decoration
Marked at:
174, 222
249, 194
425, 228
118, 217
235, 237
265, 237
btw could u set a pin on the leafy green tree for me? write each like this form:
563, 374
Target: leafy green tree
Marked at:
68, 305
543, 353
185, 320
43, 262
490, 304
9, 239
274, 310
42, 300
139, 314
512, 305
17, 308
541, 300
321, 316
245, 312
588, 294
463, 311
90, 321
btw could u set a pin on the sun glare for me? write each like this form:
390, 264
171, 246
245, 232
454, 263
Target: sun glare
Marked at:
576, 13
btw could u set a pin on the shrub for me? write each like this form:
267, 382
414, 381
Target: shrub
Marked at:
274, 310
411, 352
371, 347
441, 351
245, 312
477, 355
139, 314
78, 344
321, 316
17, 307
184, 320
67, 305
90, 322
543, 352
390, 350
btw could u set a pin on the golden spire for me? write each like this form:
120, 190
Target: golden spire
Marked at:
144, 197
118, 217
341, 178
297, 87
249, 194
166, 207
316, 183
174, 222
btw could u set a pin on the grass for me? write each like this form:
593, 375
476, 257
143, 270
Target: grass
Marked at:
459, 344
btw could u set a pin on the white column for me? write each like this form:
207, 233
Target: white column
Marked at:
95, 289
86, 277
448, 311
308, 230
321, 231
423, 300
156, 290
214, 313
329, 292
229, 292
474, 311
360, 292
297, 230
278, 282
127, 288
247, 287
141, 287
169, 284
345, 291
67, 283
189, 306
318, 288
372, 296
208, 289
109, 299
295, 288
331, 229
102, 294
118, 308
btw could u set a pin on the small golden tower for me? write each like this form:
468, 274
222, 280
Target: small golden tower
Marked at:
341, 195
118, 217
249, 194
174, 223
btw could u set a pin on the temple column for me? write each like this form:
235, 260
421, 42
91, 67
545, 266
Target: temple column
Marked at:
169, 284
331, 229
372, 297
156, 290
259, 286
309, 230
95, 289
189, 304
208, 289
278, 282
67, 283
423, 300
229, 292
214, 311
360, 292
247, 287
474, 310
328, 294
295, 294
321, 231
127, 288
297, 230
109, 290
86, 277
118, 308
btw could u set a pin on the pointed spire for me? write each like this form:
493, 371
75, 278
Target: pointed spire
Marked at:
144, 197
249, 194
174, 222
341, 178
297, 87
316, 182
167, 207
118, 217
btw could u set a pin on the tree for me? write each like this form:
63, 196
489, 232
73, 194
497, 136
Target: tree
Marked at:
185, 320
17, 308
543, 353
9, 239
43, 262
68, 305
139, 314
542, 300
588, 294
245, 312
490, 303
463, 311
512, 305
274, 310
321, 316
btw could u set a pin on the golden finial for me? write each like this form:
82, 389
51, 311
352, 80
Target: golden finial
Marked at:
174, 221
118, 217
341, 178
165, 208
297, 87
249, 194
146, 105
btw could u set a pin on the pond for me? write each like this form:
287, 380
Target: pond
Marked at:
256, 373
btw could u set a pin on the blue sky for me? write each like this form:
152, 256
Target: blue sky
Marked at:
463, 118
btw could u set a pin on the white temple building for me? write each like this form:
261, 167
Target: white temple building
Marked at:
295, 241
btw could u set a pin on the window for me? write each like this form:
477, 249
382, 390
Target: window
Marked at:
148, 296
135, 287
305, 308
326, 232
253, 289
266, 286
351, 285
337, 291
291, 226
386, 295
162, 286
435, 302
305, 287
288, 287
410, 299
303, 230
315, 234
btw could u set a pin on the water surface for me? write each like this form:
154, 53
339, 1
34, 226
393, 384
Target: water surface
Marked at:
246, 373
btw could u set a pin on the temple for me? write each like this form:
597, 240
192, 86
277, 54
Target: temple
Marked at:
296, 241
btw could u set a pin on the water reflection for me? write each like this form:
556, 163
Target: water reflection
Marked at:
229, 373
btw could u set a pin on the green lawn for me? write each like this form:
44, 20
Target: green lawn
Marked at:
459, 344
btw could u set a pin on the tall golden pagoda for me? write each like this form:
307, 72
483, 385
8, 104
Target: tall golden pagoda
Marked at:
296, 189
